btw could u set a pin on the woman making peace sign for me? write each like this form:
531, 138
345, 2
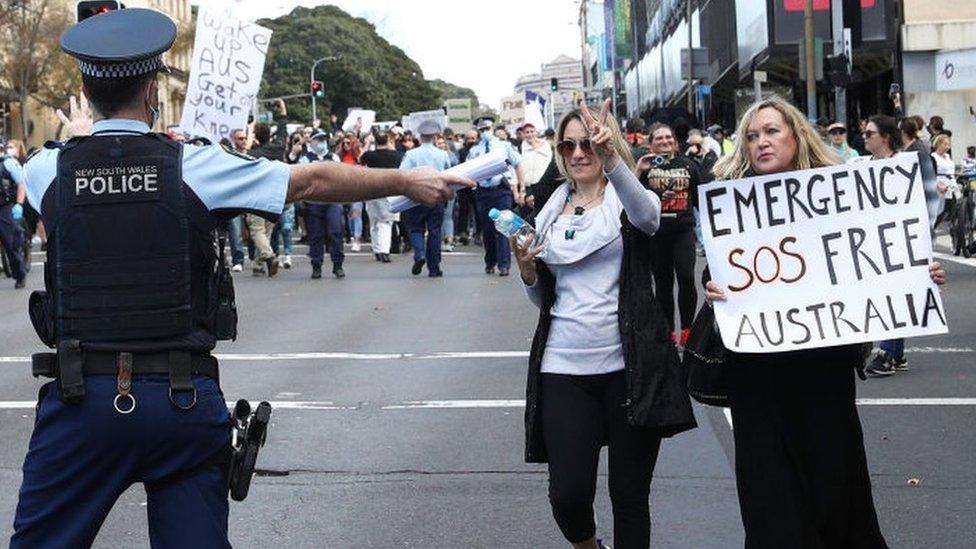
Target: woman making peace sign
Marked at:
602, 369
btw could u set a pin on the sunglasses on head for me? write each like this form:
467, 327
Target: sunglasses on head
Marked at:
567, 147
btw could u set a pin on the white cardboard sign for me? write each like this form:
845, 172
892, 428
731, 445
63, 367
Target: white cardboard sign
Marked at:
225, 75
822, 257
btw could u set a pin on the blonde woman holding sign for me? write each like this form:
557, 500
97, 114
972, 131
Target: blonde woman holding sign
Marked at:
602, 370
800, 465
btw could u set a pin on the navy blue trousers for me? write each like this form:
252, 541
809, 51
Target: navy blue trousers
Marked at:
324, 221
12, 239
82, 457
423, 219
497, 249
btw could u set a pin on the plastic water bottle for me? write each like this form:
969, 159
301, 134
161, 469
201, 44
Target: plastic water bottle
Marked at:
510, 224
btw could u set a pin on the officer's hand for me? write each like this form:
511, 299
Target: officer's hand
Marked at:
17, 212
429, 187
79, 119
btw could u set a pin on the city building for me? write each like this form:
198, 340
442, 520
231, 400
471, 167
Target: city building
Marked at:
568, 75
632, 51
939, 65
172, 87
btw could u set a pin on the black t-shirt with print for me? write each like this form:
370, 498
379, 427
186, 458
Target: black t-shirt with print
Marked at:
681, 176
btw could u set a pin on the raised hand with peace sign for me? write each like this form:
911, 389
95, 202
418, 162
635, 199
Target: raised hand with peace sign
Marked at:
601, 135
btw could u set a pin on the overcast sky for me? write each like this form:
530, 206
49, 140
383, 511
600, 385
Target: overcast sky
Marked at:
480, 44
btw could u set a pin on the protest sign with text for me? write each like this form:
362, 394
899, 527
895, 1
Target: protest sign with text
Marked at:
360, 120
228, 62
413, 120
822, 257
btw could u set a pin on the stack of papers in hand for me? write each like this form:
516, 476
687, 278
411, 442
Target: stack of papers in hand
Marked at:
484, 167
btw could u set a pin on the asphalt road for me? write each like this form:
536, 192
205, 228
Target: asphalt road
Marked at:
399, 421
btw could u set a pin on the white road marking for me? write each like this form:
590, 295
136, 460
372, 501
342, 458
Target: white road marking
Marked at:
955, 259
456, 404
275, 405
916, 402
484, 403
459, 355
245, 357
949, 350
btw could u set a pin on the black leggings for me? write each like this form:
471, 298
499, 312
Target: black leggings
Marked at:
673, 255
581, 414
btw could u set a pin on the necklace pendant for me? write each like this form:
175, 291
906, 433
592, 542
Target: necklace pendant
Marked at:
570, 233
579, 210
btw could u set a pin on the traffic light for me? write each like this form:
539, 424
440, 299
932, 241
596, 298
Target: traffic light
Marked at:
92, 8
318, 89
838, 70
554, 84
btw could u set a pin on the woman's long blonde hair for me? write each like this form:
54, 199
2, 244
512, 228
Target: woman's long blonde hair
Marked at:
811, 151
619, 142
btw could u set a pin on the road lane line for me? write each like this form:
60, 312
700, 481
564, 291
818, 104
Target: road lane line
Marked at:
246, 357
459, 355
455, 404
916, 402
955, 259
275, 405
473, 404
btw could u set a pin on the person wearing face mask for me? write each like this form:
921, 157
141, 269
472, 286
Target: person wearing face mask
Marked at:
135, 297
324, 221
497, 192
675, 178
12, 198
426, 220
800, 465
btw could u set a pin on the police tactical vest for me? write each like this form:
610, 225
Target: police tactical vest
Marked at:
8, 188
125, 262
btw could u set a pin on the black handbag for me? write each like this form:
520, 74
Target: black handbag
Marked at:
704, 360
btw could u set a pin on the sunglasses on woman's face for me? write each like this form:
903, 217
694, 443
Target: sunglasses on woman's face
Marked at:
567, 147
868, 134
838, 132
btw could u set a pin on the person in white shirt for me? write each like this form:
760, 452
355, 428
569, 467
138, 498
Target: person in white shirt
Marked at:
945, 176
536, 157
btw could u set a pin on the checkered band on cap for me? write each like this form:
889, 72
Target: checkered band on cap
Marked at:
122, 69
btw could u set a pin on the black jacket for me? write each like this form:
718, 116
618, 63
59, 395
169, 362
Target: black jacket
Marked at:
656, 391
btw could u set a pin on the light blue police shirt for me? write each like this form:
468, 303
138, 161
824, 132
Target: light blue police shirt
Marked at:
494, 144
15, 170
220, 179
426, 155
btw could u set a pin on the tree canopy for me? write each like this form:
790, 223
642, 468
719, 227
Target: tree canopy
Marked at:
372, 73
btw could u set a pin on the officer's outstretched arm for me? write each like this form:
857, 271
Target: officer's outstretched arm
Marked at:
338, 182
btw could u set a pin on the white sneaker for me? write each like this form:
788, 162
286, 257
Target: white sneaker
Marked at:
355, 245
237, 268
287, 262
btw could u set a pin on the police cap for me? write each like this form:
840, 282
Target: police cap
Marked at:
429, 127
484, 123
120, 43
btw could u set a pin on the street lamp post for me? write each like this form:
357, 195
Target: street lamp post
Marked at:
312, 77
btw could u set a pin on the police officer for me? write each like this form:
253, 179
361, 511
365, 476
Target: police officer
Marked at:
498, 192
11, 214
421, 218
129, 303
323, 221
